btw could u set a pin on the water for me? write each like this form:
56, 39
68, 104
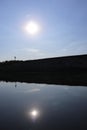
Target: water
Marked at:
42, 107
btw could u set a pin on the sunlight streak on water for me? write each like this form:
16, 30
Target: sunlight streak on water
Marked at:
34, 114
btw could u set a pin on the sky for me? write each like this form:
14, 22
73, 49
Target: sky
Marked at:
63, 26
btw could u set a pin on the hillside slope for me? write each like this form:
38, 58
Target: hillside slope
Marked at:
71, 70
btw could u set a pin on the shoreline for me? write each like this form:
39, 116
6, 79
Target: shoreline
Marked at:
70, 70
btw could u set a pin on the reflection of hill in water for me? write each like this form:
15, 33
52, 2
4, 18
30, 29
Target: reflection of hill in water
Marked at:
70, 70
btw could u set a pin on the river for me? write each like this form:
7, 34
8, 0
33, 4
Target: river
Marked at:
26, 106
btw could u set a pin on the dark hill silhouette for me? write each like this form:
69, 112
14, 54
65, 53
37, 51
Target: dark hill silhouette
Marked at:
71, 70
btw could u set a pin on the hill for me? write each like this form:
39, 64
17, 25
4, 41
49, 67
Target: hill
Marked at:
70, 70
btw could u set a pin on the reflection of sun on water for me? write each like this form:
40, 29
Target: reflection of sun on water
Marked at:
34, 114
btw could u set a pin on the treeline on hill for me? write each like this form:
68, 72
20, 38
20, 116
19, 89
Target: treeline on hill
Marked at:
71, 69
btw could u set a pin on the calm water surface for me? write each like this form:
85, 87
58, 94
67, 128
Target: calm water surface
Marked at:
42, 107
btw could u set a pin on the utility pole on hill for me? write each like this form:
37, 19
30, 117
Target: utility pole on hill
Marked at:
14, 57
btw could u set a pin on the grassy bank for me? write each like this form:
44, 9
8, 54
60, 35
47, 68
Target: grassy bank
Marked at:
64, 70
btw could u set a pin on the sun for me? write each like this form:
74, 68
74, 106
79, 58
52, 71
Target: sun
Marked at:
32, 28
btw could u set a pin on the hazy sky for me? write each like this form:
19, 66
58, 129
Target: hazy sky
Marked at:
63, 28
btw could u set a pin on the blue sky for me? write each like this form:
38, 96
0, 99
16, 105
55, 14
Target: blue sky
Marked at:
63, 28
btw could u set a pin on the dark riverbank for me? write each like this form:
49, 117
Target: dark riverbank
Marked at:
70, 70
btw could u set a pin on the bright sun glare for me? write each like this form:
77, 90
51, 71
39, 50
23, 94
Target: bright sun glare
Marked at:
32, 27
34, 113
